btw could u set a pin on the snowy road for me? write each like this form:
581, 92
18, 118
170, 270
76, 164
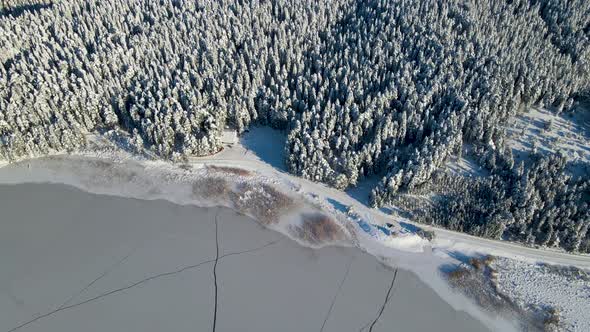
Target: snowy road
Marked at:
259, 153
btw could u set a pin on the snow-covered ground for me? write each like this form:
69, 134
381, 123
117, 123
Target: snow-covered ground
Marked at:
543, 131
530, 284
260, 152
465, 166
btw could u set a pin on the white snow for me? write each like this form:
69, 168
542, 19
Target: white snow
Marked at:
229, 137
534, 284
544, 131
465, 167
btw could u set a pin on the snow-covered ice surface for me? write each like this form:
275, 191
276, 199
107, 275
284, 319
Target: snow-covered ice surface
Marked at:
159, 180
84, 262
540, 285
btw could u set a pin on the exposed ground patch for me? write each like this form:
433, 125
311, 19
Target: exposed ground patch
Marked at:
262, 201
229, 170
317, 228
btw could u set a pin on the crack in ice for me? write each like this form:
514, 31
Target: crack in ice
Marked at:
104, 274
387, 298
157, 276
336, 295
215, 269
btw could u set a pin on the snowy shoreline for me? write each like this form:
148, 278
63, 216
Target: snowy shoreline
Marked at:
113, 172
109, 261
159, 180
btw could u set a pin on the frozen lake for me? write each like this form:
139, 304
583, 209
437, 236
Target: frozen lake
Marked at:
75, 261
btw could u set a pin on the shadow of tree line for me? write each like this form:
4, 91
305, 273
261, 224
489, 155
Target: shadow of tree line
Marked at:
17, 8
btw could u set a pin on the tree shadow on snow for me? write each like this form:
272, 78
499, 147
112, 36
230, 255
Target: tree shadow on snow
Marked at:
267, 144
409, 227
337, 205
19, 10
